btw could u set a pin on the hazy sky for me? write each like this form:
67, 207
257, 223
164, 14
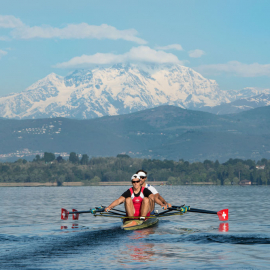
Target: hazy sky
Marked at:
227, 40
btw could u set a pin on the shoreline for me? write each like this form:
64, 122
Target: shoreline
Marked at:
74, 184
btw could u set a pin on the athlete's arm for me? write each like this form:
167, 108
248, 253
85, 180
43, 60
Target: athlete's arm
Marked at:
118, 201
156, 199
163, 200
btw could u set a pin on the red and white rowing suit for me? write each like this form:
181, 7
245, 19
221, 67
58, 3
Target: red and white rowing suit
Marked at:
137, 202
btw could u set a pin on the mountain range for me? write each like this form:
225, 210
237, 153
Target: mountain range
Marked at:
241, 104
160, 112
165, 132
122, 89
126, 88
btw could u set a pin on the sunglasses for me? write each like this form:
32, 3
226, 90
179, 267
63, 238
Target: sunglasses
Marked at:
135, 181
142, 177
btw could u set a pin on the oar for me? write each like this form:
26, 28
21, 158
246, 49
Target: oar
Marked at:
75, 213
99, 212
169, 209
122, 217
121, 211
222, 214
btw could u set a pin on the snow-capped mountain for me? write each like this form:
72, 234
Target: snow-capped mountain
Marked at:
247, 92
120, 89
242, 104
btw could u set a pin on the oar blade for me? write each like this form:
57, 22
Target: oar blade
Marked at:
64, 214
223, 214
75, 216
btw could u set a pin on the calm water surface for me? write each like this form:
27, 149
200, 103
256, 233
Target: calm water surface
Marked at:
32, 236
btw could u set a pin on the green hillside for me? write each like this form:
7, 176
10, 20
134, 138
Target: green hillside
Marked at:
165, 132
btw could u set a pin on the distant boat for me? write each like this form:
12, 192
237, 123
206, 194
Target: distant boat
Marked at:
244, 182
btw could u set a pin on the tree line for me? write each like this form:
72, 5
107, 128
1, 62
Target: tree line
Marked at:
49, 168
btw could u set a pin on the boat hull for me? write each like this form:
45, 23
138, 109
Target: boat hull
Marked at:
131, 225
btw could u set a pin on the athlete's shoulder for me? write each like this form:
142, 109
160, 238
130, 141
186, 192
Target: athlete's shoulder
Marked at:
127, 193
147, 192
151, 188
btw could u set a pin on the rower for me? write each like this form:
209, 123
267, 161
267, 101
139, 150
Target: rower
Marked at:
137, 200
157, 197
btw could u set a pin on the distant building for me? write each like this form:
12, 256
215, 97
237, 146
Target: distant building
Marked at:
260, 167
244, 182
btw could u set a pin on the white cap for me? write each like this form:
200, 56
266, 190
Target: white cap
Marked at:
142, 174
135, 176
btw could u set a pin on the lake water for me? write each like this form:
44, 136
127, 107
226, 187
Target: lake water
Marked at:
32, 235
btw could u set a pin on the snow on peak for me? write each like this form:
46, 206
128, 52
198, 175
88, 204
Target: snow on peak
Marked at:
119, 89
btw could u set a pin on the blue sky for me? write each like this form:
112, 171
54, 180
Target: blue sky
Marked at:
227, 41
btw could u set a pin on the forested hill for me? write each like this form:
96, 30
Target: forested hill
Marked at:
50, 168
165, 132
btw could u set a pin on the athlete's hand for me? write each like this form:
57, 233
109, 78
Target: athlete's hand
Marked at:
107, 209
169, 205
164, 206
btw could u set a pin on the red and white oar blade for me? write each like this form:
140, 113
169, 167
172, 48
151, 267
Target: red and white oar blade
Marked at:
64, 214
223, 214
75, 216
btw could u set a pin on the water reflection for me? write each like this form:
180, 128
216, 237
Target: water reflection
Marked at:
139, 251
223, 227
74, 226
